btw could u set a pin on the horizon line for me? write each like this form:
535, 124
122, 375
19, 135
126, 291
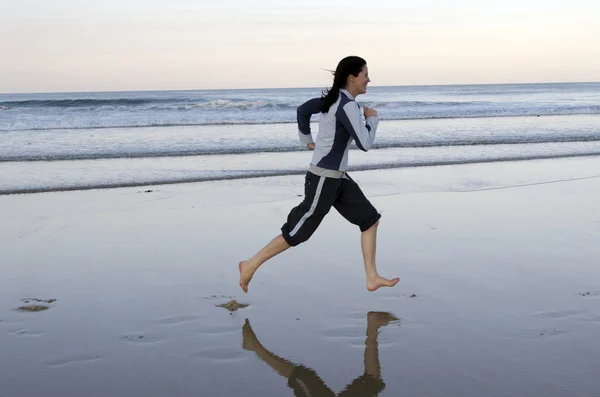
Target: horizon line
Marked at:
287, 88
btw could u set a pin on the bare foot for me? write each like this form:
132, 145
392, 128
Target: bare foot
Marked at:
246, 273
375, 283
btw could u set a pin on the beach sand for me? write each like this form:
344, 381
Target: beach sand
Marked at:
499, 292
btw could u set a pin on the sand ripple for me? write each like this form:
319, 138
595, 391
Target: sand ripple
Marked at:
221, 354
84, 358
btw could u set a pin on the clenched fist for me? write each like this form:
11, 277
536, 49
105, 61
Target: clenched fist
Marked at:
370, 112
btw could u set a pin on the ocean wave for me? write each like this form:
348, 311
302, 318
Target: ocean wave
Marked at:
426, 104
24, 112
166, 104
78, 103
242, 105
147, 105
392, 110
277, 117
147, 125
232, 148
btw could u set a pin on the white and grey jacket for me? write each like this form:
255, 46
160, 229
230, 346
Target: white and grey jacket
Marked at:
338, 128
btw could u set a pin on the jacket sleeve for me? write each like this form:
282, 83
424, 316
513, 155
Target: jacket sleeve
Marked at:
303, 115
363, 131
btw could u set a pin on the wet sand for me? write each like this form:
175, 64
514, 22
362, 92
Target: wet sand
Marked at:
499, 292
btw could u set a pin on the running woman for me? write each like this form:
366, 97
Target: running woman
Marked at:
327, 184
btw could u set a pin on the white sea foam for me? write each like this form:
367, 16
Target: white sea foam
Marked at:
139, 109
140, 137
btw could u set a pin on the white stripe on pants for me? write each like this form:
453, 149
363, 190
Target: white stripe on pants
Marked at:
313, 206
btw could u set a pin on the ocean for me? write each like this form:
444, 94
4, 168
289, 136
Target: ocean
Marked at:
72, 141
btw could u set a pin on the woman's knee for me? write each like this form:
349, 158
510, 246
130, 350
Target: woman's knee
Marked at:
373, 224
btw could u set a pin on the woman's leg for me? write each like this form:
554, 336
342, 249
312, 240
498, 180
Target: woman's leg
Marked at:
356, 208
368, 240
248, 267
303, 220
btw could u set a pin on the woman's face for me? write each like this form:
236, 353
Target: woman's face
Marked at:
358, 84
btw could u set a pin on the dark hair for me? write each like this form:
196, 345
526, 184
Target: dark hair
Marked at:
351, 65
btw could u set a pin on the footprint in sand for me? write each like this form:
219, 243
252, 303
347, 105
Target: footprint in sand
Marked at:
221, 354
34, 305
559, 314
219, 297
33, 308
552, 332
588, 294
541, 332
218, 329
36, 300
233, 305
74, 360
356, 316
594, 320
345, 332
142, 338
27, 332
8, 321
402, 296
178, 319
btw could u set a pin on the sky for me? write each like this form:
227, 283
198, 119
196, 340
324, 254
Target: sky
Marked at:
121, 45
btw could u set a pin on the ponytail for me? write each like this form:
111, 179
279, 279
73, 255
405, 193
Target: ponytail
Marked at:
329, 98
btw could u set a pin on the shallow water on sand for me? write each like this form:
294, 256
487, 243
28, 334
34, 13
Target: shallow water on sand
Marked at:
498, 293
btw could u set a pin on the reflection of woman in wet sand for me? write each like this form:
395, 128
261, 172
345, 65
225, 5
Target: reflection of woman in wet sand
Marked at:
306, 383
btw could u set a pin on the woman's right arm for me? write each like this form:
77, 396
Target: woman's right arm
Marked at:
361, 128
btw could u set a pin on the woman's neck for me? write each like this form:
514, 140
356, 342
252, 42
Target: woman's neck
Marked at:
352, 92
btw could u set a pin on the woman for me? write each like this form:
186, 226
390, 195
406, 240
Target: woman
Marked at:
326, 183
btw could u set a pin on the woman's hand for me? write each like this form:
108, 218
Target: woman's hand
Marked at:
370, 112
311, 146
